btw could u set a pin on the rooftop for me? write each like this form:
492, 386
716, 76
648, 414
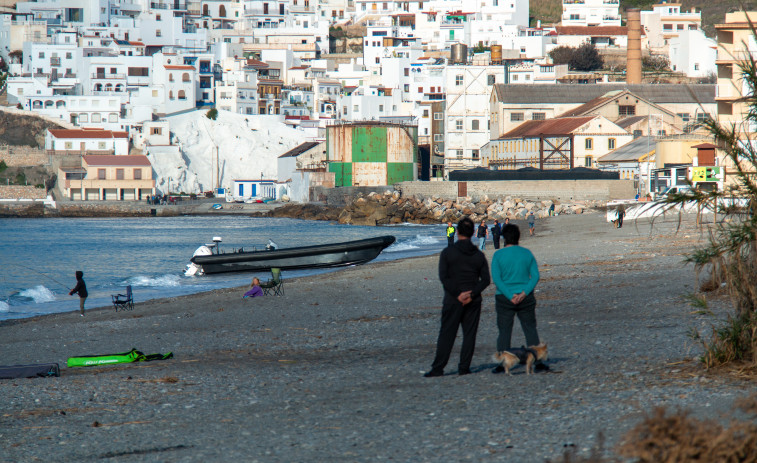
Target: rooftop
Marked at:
583, 93
113, 160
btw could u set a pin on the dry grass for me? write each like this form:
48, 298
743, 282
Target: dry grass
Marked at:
679, 438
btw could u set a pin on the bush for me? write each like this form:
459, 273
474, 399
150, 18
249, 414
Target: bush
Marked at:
655, 63
584, 58
212, 114
21, 179
3, 166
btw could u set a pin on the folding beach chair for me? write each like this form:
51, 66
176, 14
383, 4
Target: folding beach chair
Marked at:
275, 285
123, 301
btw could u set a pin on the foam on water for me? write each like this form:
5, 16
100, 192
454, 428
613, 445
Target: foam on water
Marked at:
413, 243
4, 307
161, 281
38, 294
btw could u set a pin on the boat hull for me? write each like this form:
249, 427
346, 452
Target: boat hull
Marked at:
320, 256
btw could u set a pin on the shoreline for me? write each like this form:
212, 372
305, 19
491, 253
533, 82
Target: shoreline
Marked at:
332, 370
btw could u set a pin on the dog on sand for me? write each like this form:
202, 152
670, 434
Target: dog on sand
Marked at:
524, 355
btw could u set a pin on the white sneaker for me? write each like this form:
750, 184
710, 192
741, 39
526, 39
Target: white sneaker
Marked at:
81, 314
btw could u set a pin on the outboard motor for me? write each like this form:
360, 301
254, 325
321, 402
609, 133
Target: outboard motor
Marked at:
194, 269
271, 246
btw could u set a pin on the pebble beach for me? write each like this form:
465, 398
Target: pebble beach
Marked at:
332, 370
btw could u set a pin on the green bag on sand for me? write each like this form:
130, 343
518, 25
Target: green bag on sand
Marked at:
126, 357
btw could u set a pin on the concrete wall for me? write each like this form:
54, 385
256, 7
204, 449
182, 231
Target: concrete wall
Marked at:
23, 156
21, 192
561, 190
342, 195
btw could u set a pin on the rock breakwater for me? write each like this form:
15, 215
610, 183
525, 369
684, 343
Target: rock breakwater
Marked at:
391, 208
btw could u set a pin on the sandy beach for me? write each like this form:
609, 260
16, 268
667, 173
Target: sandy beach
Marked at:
332, 371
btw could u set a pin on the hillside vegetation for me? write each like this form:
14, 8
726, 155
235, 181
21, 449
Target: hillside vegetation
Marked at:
18, 129
713, 11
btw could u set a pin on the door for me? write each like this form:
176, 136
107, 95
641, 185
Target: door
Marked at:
253, 186
462, 189
241, 190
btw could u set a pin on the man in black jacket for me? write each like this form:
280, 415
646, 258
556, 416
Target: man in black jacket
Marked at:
464, 273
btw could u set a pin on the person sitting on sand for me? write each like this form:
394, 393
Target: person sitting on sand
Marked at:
255, 289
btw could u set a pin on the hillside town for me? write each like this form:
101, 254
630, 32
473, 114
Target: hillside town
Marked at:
268, 99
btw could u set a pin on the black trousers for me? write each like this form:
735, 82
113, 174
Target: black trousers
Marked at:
455, 314
450, 240
506, 312
495, 238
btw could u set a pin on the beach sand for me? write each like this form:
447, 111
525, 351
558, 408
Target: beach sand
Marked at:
332, 371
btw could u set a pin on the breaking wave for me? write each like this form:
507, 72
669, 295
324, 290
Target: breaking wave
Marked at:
164, 281
4, 307
417, 242
38, 294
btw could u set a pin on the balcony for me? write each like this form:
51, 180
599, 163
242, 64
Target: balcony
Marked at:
205, 85
54, 61
611, 2
98, 75
574, 2
205, 70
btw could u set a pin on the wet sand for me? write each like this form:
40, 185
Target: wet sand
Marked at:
332, 371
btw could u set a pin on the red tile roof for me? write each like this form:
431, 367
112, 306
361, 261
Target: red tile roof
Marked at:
592, 30
558, 126
113, 160
86, 133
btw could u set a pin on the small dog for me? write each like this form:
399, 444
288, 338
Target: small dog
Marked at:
523, 355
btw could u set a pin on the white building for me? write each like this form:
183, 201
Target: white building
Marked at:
692, 53
590, 13
665, 22
86, 141
469, 88
536, 73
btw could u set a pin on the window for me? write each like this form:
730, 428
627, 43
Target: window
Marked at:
474, 154
158, 33
458, 124
156, 130
355, 108
157, 17
381, 108
637, 133
538, 116
692, 27
516, 117
491, 79
684, 116
626, 110
406, 87
528, 76
112, 117
588, 160
437, 116
438, 137
611, 144
589, 143
679, 27
154, 93
95, 117
459, 80
515, 77
138, 72
696, 66
425, 113
101, 145
420, 89
170, 77
459, 154
69, 145
474, 124
119, 174
68, 54
185, 77
406, 72
667, 27
42, 54
113, 70
101, 174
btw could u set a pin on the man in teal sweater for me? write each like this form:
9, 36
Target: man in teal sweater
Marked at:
515, 274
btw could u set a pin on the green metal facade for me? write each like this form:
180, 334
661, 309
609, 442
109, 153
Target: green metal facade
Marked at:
370, 155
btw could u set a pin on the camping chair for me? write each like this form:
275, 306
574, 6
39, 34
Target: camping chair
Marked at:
275, 284
123, 301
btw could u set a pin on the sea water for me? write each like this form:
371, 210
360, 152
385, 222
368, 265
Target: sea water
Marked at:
38, 257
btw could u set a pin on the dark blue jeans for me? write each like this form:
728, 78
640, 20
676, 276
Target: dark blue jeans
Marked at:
506, 312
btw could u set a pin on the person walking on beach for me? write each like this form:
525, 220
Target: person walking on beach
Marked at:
81, 290
464, 273
450, 234
496, 231
621, 214
515, 274
531, 222
481, 234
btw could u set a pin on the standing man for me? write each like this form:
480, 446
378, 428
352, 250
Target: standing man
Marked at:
464, 274
481, 234
621, 214
496, 231
515, 273
450, 234
531, 222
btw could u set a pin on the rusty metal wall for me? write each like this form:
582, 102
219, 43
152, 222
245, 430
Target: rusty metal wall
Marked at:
400, 147
339, 143
369, 173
